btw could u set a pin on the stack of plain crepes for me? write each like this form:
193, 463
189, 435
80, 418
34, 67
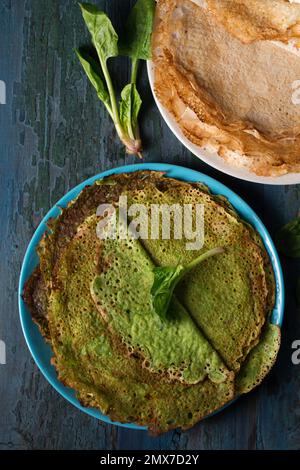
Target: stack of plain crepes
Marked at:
228, 71
91, 298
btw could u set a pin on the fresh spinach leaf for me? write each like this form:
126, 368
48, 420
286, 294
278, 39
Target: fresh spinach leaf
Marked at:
136, 41
92, 71
104, 37
288, 239
105, 40
130, 106
165, 281
167, 278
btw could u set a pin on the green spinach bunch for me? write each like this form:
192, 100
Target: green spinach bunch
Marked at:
136, 44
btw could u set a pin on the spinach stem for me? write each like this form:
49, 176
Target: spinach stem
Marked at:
130, 129
204, 256
108, 107
134, 70
111, 91
127, 136
134, 133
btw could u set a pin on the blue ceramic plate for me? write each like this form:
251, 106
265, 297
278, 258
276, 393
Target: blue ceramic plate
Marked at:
41, 352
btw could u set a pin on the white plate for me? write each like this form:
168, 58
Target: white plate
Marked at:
212, 158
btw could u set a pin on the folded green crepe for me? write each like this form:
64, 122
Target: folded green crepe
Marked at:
173, 346
114, 357
260, 360
228, 295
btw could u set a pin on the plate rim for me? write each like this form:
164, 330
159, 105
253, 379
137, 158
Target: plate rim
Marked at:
224, 167
30, 329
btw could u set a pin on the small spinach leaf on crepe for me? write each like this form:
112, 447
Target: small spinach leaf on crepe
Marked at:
167, 278
288, 239
165, 281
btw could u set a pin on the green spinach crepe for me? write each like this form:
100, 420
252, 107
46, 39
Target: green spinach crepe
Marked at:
174, 346
98, 366
229, 296
91, 300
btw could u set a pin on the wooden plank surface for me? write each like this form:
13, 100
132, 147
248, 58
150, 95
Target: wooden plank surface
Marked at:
54, 134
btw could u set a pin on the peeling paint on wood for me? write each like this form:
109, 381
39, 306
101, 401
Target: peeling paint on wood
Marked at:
54, 134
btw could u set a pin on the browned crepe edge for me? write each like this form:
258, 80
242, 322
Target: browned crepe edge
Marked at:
254, 20
261, 153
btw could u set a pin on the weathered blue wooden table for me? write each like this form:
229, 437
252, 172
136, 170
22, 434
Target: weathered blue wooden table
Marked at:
54, 134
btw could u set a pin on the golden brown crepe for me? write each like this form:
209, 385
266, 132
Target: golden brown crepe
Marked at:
234, 97
252, 20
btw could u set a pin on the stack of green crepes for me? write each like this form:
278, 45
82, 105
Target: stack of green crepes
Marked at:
91, 298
